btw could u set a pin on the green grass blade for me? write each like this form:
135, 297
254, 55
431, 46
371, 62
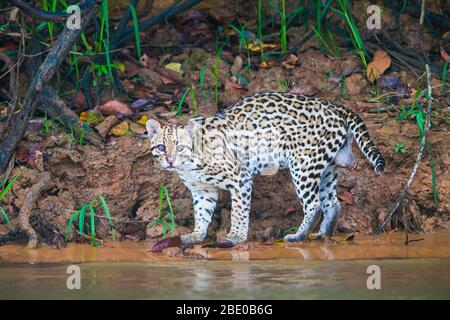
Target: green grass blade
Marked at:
92, 216
70, 222
180, 104
8, 187
81, 216
108, 215
136, 30
171, 214
5, 216
444, 77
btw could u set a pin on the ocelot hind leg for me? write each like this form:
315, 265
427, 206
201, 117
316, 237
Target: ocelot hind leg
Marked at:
307, 188
329, 202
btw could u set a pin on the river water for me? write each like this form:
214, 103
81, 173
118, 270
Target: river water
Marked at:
314, 270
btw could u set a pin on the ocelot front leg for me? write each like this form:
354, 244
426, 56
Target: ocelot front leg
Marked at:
241, 194
205, 200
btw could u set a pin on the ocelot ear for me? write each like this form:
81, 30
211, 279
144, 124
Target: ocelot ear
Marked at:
190, 128
153, 128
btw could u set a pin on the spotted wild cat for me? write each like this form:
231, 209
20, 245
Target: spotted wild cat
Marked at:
259, 135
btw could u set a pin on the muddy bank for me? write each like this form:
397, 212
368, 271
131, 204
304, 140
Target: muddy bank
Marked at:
387, 246
126, 176
124, 173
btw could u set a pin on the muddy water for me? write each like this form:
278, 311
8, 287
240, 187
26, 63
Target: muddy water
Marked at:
301, 271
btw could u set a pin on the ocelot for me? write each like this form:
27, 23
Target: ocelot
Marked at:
259, 135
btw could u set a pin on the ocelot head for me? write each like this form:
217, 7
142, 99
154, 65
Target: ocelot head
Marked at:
171, 145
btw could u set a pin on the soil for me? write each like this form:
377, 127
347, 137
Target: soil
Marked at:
125, 174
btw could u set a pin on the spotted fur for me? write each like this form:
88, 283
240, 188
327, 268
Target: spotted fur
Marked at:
259, 135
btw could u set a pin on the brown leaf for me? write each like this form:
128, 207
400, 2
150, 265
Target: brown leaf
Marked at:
115, 107
346, 197
291, 62
306, 89
121, 129
167, 243
381, 61
445, 56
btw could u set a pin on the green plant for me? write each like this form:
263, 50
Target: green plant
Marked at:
284, 85
165, 215
243, 40
260, 18
355, 37
90, 208
5, 187
419, 115
191, 90
444, 77
400, 148
283, 27
136, 30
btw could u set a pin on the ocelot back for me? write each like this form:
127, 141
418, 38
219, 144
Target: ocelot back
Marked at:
259, 135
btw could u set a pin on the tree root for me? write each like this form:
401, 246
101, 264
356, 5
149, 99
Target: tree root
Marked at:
25, 211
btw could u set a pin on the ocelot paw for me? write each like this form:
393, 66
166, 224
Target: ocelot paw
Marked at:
228, 242
296, 237
192, 238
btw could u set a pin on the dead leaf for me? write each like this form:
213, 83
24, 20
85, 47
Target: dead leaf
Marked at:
346, 197
381, 61
257, 47
445, 56
306, 90
121, 129
174, 66
291, 62
137, 129
143, 120
91, 117
115, 107
232, 85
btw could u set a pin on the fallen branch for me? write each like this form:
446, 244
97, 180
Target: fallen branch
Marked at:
48, 15
50, 103
423, 142
25, 212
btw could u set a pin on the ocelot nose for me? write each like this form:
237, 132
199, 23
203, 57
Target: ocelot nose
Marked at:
169, 160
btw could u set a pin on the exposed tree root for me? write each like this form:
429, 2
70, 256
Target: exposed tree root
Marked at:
25, 211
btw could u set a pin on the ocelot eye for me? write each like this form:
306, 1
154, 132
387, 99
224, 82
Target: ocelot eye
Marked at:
180, 148
161, 147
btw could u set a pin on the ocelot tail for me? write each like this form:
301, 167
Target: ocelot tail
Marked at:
259, 135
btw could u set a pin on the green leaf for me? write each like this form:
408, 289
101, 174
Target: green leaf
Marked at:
92, 216
69, 224
108, 215
136, 30
6, 218
81, 216
8, 187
